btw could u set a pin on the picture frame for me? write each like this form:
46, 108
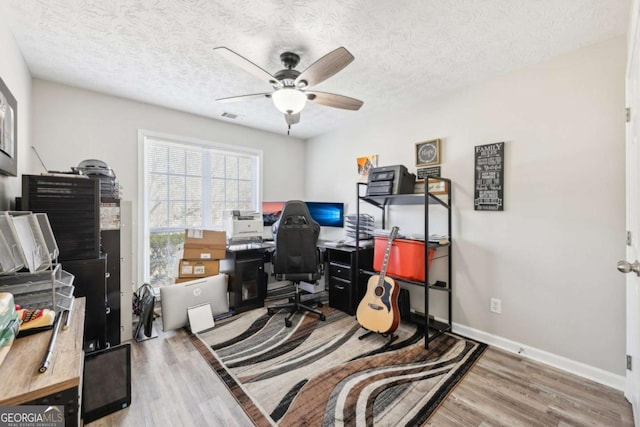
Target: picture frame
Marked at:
428, 153
8, 131
366, 163
437, 186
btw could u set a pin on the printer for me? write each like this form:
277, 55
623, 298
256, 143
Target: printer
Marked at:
244, 227
388, 180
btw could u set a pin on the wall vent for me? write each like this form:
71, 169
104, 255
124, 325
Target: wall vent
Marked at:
229, 115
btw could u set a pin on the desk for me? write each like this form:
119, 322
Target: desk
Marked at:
60, 385
248, 281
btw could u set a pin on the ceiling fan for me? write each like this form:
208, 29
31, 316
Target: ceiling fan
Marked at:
291, 87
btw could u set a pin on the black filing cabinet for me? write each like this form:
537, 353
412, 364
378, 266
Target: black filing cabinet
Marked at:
346, 287
91, 282
247, 279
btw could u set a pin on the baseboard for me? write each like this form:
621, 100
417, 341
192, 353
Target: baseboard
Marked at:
595, 374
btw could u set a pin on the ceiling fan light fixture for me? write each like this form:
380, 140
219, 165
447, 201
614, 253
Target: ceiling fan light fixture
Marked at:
289, 100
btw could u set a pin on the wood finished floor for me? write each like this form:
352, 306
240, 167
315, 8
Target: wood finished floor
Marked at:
172, 385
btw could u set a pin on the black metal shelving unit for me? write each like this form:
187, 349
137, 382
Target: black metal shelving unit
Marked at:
428, 200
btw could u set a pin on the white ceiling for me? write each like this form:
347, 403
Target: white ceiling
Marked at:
406, 51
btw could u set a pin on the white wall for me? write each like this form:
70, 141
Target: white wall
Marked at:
71, 125
551, 255
15, 74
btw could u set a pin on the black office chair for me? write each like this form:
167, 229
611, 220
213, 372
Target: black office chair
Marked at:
297, 257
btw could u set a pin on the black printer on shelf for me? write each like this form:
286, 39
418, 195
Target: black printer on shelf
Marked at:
387, 180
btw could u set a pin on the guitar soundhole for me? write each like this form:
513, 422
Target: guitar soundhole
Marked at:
379, 291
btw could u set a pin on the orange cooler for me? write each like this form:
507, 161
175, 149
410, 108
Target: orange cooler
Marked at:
406, 258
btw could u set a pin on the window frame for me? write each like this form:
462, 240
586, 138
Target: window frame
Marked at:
143, 230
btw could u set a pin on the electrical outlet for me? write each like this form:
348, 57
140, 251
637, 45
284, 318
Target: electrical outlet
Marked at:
495, 305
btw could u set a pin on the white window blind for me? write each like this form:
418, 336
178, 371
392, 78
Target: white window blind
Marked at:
190, 186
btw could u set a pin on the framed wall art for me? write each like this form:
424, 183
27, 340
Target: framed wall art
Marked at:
428, 153
365, 163
437, 186
8, 132
489, 177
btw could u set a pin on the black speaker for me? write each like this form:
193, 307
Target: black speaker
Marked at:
404, 304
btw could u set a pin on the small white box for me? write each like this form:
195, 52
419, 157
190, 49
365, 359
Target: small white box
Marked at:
313, 288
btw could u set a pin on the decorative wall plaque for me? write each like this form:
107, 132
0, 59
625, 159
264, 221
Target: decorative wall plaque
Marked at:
423, 173
428, 153
489, 177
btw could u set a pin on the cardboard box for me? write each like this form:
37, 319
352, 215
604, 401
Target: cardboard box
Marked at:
192, 268
195, 239
203, 253
204, 244
185, 279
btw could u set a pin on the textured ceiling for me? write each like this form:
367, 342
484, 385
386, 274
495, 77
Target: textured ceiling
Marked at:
406, 51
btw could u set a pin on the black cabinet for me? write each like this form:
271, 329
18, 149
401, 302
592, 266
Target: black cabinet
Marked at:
247, 279
346, 287
91, 282
73, 207
87, 230
111, 245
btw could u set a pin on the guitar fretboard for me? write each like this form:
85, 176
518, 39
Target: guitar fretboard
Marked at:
385, 262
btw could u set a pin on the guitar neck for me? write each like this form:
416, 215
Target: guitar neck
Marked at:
387, 251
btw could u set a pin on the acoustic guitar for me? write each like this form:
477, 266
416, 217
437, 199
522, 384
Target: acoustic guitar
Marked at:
378, 311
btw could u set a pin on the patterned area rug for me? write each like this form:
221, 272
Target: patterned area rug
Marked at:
321, 374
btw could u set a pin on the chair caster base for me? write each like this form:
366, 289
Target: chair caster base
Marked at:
323, 317
287, 323
270, 312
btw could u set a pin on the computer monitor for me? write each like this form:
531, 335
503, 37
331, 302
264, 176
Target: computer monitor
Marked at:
271, 212
327, 214
106, 382
176, 299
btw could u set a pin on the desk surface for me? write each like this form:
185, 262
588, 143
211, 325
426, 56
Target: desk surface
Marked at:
21, 381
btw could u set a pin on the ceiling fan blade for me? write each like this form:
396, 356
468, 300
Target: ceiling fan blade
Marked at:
244, 97
245, 64
334, 100
292, 119
325, 67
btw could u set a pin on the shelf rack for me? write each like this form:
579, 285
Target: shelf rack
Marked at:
427, 199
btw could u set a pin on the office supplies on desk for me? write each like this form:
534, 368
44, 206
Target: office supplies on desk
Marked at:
362, 224
362, 243
52, 343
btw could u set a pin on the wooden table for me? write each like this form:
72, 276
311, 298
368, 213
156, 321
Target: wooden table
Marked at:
60, 384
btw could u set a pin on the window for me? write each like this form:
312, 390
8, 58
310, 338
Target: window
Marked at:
188, 185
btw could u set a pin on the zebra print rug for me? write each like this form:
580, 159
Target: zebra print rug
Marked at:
321, 374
